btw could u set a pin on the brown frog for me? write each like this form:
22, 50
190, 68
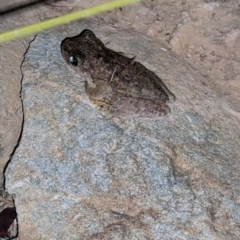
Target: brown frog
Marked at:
116, 83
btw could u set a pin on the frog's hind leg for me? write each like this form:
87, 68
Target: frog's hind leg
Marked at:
129, 106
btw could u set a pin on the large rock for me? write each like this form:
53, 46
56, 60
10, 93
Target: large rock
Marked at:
79, 175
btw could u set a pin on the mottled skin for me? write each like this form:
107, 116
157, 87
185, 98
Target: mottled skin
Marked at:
115, 82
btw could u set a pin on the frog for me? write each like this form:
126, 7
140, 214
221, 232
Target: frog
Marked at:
115, 83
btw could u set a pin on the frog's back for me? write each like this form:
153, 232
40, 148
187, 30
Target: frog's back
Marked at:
128, 75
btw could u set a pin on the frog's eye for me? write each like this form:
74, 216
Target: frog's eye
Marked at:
73, 60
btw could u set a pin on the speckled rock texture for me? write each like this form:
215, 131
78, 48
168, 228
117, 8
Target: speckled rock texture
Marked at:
79, 175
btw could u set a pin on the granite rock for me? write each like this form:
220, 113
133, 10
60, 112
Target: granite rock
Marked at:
79, 175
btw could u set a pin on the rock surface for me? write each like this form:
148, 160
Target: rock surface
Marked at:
88, 177
79, 175
14, 15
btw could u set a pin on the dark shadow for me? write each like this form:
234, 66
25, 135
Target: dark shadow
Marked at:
7, 217
13, 7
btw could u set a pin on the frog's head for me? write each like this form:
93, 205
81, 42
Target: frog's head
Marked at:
80, 49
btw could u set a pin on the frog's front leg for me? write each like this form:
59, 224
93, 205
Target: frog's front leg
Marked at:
100, 93
138, 107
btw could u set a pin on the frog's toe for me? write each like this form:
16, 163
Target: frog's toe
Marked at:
163, 110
